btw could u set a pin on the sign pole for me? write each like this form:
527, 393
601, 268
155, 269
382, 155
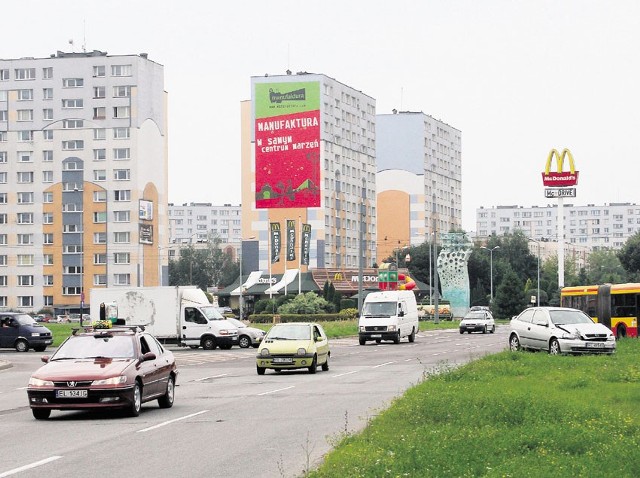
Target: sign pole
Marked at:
560, 242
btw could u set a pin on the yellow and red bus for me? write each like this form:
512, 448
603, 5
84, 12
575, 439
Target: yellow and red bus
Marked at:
615, 305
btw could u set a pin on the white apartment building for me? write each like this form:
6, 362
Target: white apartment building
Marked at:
423, 145
596, 227
83, 177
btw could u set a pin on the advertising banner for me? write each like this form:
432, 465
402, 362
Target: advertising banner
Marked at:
560, 178
305, 244
287, 144
291, 239
145, 233
276, 242
145, 210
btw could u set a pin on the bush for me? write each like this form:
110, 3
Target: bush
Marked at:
348, 314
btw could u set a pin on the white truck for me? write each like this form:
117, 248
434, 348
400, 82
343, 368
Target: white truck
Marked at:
388, 315
181, 314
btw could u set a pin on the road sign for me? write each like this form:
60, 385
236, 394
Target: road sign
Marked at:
560, 192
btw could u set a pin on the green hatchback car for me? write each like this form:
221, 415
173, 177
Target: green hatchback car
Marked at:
294, 346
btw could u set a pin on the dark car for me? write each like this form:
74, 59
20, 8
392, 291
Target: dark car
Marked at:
22, 332
118, 368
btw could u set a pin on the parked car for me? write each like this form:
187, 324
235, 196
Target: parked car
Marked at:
559, 330
247, 336
22, 332
118, 368
294, 346
478, 321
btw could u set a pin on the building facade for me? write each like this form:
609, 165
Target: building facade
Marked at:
83, 177
595, 227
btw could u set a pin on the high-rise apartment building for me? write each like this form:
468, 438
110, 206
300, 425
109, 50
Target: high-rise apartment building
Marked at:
324, 131
198, 222
83, 177
427, 147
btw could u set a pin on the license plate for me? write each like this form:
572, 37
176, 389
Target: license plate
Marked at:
71, 393
595, 345
376, 336
282, 360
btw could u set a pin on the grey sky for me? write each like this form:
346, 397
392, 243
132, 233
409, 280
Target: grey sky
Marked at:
517, 77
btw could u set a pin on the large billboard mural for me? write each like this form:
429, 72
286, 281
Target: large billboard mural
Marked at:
287, 142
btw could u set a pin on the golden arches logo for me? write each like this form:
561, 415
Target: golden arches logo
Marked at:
560, 178
338, 276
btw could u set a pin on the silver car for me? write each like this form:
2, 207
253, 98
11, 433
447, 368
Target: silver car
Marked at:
478, 321
247, 336
559, 330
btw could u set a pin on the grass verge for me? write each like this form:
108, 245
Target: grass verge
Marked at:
507, 415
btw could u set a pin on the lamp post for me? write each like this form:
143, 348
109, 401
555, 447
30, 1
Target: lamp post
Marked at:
241, 297
490, 269
538, 295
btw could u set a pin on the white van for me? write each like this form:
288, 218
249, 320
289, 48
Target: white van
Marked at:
388, 315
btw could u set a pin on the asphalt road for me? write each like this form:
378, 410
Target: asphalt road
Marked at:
227, 421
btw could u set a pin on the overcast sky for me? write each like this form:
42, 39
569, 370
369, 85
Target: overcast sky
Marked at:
518, 78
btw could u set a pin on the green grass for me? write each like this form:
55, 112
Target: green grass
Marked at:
507, 415
60, 331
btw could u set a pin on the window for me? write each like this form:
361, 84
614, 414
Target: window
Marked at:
4, 75
73, 103
48, 299
47, 218
121, 174
25, 259
122, 195
121, 153
73, 124
25, 218
47, 156
72, 186
99, 133
3, 281
121, 111
72, 290
47, 134
25, 281
47, 93
122, 216
72, 228
25, 115
3, 95
99, 154
72, 270
3, 260
100, 175
73, 145
3, 178
100, 196
98, 71
100, 112
100, 217
122, 279
3, 156
25, 239
121, 258
47, 197
72, 249
3, 115
47, 259
3, 136
3, 218
3, 198
47, 238
25, 74
25, 177
120, 70
121, 133
122, 237
72, 82
25, 197
3, 239
24, 156
100, 258
121, 91
47, 114
25, 301
99, 279
99, 237
25, 95
47, 73
99, 92
25, 136
47, 280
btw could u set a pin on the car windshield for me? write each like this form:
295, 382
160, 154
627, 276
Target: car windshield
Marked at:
99, 346
25, 319
236, 322
565, 317
290, 332
475, 315
212, 313
377, 309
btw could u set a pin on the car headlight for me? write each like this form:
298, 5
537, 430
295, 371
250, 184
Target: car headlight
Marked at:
362, 328
36, 382
35, 334
226, 332
391, 328
264, 352
111, 381
571, 335
302, 351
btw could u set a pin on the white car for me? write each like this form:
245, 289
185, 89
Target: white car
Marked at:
559, 330
247, 336
478, 321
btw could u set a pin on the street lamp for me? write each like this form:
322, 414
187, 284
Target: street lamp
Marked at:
538, 296
241, 297
490, 268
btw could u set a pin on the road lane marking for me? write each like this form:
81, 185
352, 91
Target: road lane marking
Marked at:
30, 466
171, 421
275, 391
208, 378
343, 374
22, 388
382, 364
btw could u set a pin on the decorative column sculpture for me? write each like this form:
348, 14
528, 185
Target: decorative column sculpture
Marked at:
453, 271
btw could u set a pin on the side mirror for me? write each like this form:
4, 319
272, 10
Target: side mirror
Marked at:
400, 313
45, 358
148, 356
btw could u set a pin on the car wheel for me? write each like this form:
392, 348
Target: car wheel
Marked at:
314, 365
325, 365
461, 331
621, 331
260, 370
40, 348
226, 346
493, 329
554, 347
244, 342
484, 331
41, 413
362, 341
396, 339
21, 345
166, 401
412, 337
194, 347
209, 343
514, 343
136, 400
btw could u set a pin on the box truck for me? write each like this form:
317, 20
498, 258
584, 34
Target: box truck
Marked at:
388, 315
181, 314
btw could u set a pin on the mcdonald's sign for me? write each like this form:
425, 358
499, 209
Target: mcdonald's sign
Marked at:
560, 178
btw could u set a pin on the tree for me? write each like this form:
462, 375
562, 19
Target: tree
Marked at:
605, 267
309, 303
509, 299
629, 256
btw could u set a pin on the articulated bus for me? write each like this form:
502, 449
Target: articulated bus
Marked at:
615, 305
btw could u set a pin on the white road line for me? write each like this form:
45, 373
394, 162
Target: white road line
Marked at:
343, 374
213, 376
28, 467
382, 364
171, 421
21, 388
408, 360
275, 391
